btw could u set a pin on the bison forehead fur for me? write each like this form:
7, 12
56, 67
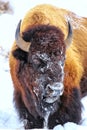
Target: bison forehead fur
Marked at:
49, 76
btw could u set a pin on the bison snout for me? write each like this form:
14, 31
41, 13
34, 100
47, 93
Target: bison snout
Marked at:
53, 92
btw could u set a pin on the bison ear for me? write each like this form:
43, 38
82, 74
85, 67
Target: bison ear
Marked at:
23, 45
68, 40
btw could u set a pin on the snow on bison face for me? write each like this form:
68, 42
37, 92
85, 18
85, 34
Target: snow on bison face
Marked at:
43, 72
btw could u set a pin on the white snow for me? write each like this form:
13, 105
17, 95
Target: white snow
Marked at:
8, 23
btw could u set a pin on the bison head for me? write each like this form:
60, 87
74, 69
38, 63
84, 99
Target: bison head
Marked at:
43, 72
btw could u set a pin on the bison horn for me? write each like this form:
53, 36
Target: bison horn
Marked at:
26, 45
19, 40
68, 40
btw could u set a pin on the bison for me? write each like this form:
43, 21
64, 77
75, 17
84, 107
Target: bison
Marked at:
48, 66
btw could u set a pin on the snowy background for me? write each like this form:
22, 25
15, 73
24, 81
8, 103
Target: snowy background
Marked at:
8, 23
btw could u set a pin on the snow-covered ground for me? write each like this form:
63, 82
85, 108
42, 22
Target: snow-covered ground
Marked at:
8, 23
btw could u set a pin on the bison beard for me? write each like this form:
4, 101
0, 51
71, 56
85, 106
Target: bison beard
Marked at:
65, 109
30, 107
69, 110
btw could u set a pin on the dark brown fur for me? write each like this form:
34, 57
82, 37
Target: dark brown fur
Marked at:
50, 40
83, 85
61, 116
49, 63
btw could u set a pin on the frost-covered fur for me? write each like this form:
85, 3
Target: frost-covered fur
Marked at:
48, 62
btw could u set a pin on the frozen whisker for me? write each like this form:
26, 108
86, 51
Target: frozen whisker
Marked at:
51, 100
46, 119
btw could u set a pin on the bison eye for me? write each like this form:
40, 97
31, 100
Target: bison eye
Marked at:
57, 52
38, 63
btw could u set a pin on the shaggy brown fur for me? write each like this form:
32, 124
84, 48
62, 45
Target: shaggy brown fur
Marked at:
45, 27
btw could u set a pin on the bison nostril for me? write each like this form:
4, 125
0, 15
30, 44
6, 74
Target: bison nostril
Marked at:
55, 86
53, 92
49, 90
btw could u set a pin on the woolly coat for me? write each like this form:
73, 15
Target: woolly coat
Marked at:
75, 68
